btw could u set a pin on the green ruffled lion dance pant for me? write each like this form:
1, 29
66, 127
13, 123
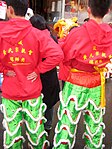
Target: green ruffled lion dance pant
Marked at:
31, 112
74, 101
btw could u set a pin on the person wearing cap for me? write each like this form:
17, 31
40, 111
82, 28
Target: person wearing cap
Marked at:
22, 49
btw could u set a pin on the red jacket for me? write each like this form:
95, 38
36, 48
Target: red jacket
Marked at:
22, 48
85, 47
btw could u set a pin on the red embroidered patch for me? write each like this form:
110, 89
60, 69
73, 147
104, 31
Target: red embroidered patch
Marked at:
87, 113
64, 128
40, 122
18, 140
65, 112
72, 99
64, 143
87, 137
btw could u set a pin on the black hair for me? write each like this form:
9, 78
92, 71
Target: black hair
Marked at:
72, 28
110, 25
39, 22
20, 6
86, 19
99, 8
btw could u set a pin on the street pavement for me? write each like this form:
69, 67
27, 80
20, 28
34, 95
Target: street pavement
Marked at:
79, 141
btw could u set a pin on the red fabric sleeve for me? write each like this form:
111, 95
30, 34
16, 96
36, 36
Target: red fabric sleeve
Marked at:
3, 69
49, 50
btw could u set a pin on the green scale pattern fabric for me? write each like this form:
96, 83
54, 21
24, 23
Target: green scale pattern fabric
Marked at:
31, 112
76, 100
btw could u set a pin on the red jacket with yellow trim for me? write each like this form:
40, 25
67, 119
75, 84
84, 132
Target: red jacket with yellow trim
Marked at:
22, 48
85, 47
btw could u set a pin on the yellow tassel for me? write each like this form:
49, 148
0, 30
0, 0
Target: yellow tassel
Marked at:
101, 71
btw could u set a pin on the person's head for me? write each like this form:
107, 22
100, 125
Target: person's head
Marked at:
99, 8
16, 8
39, 22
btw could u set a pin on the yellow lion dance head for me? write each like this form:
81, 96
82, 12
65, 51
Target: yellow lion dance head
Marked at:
63, 26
